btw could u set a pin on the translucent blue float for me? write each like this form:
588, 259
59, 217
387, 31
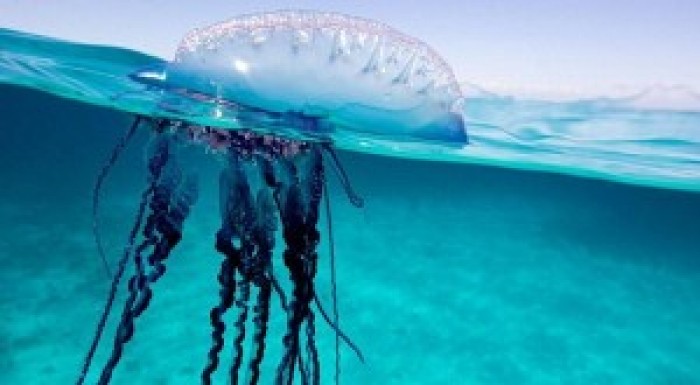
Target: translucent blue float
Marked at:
289, 80
341, 72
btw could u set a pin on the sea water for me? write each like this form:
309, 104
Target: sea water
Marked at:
560, 246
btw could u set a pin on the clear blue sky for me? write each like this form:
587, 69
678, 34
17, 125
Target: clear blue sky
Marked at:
562, 45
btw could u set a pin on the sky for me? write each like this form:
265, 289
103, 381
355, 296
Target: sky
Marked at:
515, 46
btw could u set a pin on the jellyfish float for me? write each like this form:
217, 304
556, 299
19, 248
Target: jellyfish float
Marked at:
277, 89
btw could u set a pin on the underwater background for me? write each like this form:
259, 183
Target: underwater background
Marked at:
455, 272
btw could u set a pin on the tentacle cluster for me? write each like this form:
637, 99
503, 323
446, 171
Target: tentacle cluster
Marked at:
165, 204
298, 198
170, 198
246, 239
260, 184
265, 181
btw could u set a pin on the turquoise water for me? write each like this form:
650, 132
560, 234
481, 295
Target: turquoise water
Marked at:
520, 259
634, 139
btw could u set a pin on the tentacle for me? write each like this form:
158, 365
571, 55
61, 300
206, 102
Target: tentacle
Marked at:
243, 223
264, 238
156, 163
169, 206
115, 285
234, 240
293, 260
125, 330
334, 289
278, 289
299, 202
272, 182
339, 331
171, 226
303, 370
227, 280
242, 305
260, 319
312, 350
344, 337
101, 177
353, 196
229, 208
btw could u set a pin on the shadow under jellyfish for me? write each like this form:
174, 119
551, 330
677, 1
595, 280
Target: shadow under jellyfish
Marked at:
274, 126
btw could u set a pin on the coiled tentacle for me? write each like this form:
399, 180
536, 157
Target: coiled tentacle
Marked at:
235, 241
299, 205
113, 288
260, 319
263, 239
168, 207
242, 305
227, 274
227, 280
155, 165
312, 351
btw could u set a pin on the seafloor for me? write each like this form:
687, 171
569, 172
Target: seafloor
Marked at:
451, 274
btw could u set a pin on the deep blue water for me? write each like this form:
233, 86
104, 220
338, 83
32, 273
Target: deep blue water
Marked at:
454, 272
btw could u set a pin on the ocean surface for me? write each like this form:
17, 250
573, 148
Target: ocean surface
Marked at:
562, 246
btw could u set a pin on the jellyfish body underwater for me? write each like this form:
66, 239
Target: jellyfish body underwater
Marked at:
289, 80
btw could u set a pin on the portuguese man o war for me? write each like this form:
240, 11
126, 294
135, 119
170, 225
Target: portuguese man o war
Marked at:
278, 86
